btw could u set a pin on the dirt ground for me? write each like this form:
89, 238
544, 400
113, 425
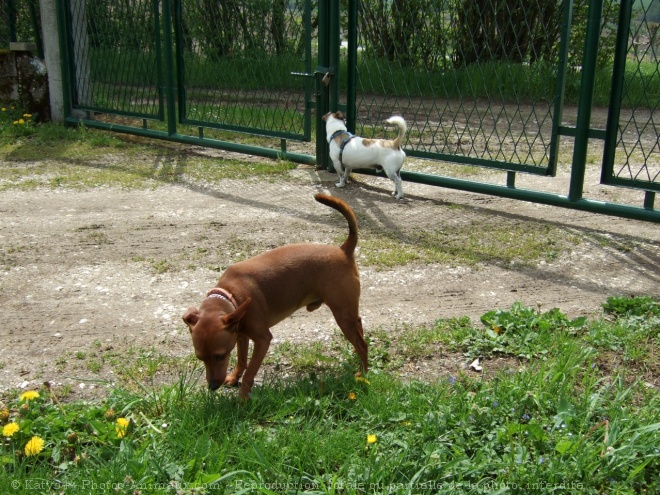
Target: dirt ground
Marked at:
117, 268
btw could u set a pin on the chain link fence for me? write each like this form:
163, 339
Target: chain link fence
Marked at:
498, 83
20, 21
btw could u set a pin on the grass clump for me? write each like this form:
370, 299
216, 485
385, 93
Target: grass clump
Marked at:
558, 423
53, 156
504, 244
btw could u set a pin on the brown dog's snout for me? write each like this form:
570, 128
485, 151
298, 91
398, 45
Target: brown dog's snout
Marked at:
213, 385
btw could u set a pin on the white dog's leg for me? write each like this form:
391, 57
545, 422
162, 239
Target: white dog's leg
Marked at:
341, 173
347, 172
398, 187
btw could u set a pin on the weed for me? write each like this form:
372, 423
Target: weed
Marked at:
94, 365
521, 331
14, 123
644, 306
557, 423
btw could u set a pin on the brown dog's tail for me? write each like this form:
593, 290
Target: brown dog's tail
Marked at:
401, 123
349, 244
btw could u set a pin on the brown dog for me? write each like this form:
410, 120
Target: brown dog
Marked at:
255, 294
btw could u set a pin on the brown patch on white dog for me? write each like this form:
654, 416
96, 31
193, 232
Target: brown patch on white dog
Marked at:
348, 152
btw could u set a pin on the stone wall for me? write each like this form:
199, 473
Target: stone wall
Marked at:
24, 82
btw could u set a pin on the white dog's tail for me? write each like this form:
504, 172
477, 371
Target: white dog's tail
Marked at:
402, 129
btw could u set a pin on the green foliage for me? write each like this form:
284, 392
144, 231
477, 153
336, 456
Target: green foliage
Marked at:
19, 21
635, 331
522, 332
15, 123
644, 306
557, 424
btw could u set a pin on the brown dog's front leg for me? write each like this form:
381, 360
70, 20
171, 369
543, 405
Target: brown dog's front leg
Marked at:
258, 354
242, 343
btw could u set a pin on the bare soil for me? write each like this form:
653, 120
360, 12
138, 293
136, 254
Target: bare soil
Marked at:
115, 269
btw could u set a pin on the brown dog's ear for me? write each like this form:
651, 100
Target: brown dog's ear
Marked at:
191, 316
235, 316
340, 115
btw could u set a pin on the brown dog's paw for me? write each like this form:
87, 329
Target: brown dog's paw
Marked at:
232, 382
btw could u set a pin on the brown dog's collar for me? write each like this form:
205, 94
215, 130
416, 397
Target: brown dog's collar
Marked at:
222, 294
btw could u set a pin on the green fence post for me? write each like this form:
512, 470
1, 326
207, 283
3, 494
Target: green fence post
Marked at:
333, 54
169, 67
585, 100
34, 16
560, 88
351, 62
322, 101
11, 19
616, 94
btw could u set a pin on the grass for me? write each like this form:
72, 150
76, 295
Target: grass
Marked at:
504, 243
52, 156
563, 405
502, 81
555, 420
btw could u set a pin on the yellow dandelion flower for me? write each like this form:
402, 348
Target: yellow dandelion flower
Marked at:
352, 396
15, 122
9, 429
122, 427
372, 439
27, 115
34, 446
29, 395
21, 121
4, 109
4, 415
362, 380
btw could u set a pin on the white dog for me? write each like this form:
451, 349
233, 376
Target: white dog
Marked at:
348, 151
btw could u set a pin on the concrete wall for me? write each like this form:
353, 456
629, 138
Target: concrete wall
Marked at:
52, 57
24, 82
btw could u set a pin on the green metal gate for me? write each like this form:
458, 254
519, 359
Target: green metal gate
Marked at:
193, 71
479, 83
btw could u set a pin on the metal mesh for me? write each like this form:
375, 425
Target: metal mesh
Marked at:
19, 21
638, 146
475, 80
479, 82
237, 59
115, 56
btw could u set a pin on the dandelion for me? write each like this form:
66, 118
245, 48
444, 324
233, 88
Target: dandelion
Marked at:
122, 427
34, 446
29, 395
9, 429
371, 439
4, 109
4, 415
21, 121
352, 396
